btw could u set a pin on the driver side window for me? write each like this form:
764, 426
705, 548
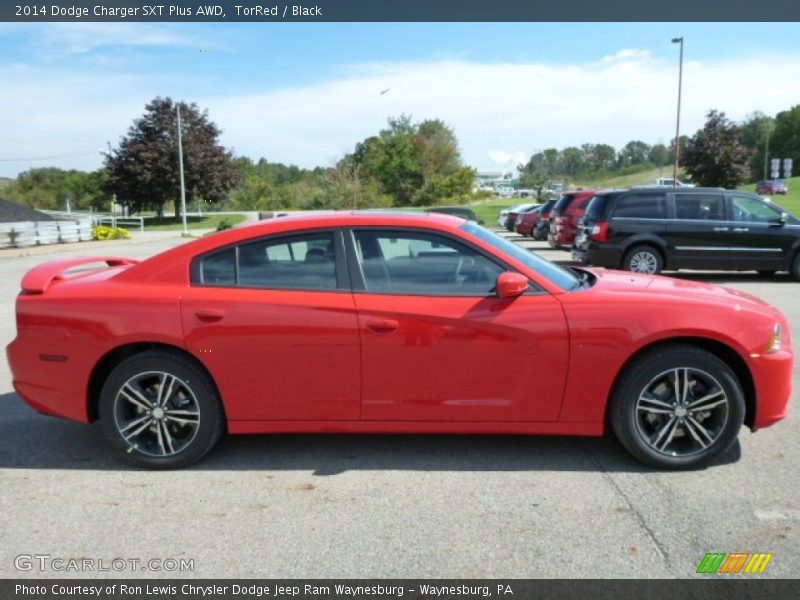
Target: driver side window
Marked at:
746, 208
418, 263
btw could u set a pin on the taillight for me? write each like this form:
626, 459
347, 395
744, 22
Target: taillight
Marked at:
600, 232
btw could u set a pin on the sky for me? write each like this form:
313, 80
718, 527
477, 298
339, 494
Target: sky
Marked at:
306, 93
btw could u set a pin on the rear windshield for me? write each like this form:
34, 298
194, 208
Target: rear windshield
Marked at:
595, 209
562, 203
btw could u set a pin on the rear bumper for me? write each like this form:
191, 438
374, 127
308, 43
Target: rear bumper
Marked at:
47, 387
772, 374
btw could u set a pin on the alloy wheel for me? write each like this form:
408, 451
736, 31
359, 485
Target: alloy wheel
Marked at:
644, 262
156, 413
681, 412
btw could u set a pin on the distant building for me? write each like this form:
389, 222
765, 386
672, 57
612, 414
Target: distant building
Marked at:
499, 182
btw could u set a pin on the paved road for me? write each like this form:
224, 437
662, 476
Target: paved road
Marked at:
393, 506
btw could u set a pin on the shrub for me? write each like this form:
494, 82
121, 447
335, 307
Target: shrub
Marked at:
224, 224
103, 232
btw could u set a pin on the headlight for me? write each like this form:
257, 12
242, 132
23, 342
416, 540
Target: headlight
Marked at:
775, 340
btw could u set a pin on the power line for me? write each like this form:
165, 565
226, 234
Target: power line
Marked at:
53, 157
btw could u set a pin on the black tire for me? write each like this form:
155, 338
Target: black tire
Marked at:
796, 267
637, 427
169, 438
643, 254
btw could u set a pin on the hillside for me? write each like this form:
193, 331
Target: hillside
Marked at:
626, 181
790, 202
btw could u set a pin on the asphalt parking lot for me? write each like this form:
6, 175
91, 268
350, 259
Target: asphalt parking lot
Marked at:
318, 506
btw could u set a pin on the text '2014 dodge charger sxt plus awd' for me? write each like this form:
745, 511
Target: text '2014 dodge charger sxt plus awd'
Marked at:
386, 322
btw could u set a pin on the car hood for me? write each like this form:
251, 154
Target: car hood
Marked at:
672, 287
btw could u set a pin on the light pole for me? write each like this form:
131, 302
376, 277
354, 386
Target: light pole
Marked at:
678, 120
766, 153
185, 232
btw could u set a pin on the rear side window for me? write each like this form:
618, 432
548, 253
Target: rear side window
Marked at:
700, 206
641, 206
305, 261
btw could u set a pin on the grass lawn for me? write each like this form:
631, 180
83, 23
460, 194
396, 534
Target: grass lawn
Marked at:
205, 222
790, 201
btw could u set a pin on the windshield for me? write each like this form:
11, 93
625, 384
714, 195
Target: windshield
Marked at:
563, 278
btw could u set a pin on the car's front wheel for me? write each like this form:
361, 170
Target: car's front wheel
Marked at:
160, 410
677, 407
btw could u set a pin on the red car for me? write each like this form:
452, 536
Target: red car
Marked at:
771, 187
391, 323
526, 221
565, 216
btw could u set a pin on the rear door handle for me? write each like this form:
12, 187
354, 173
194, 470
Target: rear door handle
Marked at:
382, 325
741, 229
721, 229
210, 314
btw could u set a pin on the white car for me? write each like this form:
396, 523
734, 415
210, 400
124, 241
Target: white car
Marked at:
670, 182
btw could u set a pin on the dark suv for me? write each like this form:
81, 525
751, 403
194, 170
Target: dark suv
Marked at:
650, 229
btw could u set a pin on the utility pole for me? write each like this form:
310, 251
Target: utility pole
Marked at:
766, 154
678, 121
185, 232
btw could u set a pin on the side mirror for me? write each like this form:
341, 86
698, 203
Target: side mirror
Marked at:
784, 218
510, 284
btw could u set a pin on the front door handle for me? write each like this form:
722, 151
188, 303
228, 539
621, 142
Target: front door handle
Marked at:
741, 229
382, 325
210, 314
720, 229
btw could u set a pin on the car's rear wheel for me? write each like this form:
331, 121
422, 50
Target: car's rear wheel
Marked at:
160, 410
643, 259
677, 407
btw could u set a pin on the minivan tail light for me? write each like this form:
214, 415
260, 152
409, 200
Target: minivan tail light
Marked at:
600, 232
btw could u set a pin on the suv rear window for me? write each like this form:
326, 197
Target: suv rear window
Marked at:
594, 211
642, 206
562, 203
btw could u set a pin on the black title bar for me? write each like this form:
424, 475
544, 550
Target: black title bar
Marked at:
706, 587
401, 10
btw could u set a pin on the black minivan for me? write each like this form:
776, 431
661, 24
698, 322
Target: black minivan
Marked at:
647, 230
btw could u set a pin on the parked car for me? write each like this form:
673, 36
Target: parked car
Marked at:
542, 225
670, 182
647, 230
408, 323
772, 187
457, 211
565, 215
527, 220
513, 212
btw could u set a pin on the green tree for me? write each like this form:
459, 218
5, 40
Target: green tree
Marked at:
143, 172
52, 188
660, 155
633, 153
785, 141
715, 155
415, 164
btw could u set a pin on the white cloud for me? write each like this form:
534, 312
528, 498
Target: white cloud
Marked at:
628, 54
79, 38
499, 111
508, 159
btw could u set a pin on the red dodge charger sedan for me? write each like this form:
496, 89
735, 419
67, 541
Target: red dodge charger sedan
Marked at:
384, 322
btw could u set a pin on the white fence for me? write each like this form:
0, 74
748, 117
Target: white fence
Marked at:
119, 221
36, 233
